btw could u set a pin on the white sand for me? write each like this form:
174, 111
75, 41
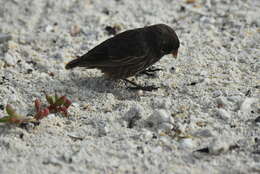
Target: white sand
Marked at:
121, 131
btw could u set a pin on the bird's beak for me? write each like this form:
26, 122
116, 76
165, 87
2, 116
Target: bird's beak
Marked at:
175, 53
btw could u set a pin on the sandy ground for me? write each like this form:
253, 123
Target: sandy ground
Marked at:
205, 118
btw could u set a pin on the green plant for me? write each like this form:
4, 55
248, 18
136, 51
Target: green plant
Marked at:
55, 105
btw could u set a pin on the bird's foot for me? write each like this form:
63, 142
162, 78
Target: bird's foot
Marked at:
139, 87
144, 88
150, 71
153, 69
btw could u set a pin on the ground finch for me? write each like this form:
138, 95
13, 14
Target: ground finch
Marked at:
130, 52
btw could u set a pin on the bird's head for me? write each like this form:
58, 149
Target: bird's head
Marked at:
169, 42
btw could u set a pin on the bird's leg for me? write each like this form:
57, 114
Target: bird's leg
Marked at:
150, 71
137, 87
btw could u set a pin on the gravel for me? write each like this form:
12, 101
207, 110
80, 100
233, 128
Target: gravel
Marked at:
209, 97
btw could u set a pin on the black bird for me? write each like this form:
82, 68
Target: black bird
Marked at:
130, 52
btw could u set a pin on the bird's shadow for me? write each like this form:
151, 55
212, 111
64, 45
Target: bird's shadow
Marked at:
100, 84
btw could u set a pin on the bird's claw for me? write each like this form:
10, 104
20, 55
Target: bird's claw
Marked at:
152, 69
139, 87
148, 74
144, 88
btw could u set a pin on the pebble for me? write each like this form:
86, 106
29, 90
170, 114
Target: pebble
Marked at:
74, 104
165, 127
255, 167
246, 105
217, 93
49, 28
161, 103
103, 130
180, 126
218, 146
157, 149
186, 143
5, 37
223, 114
67, 158
51, 116
140, 92
160, 116
222, 101
26, 39
52, 160
10, 59
206, 133
75, 30
2, 64
256, 67
161, 120
146, 134
234, 99
252, 17
135, 111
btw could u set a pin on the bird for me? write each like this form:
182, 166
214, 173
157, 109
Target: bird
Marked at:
130, 53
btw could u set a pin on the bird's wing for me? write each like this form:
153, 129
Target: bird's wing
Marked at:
123, 49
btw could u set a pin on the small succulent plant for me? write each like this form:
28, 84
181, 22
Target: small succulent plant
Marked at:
55, 105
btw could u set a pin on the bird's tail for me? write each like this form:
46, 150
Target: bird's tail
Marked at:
74, 63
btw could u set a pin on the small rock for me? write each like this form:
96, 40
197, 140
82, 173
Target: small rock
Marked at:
135, 111
204, 133
52, 160
256, 67
67, 158
10, 59
51, 116
26, 39
157, 149
217, 93
204, 74
160, 116
140, 92
5, 37
186, 143
105, 11
218, 145
2, 64
252, 18
234, 99
162, 103
76, 105
102, 127
223, 114
49, 28
103, 130
222, 102
246, 105
180, 126
165, 127
75, 30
